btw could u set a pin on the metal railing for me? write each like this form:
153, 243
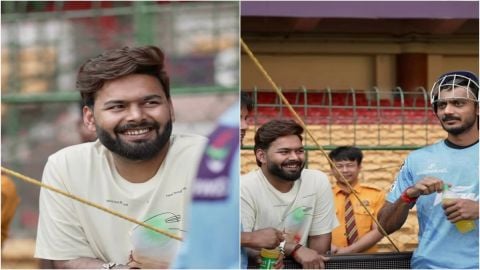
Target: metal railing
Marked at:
351, 107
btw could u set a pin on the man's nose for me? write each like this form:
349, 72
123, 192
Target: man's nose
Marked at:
449, 109
135, 113
343, 168
293, 156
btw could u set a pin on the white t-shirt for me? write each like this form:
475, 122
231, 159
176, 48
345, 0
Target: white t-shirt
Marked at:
306, 210
69, 229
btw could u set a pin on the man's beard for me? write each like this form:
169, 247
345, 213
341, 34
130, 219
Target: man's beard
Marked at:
283, 174
139, 150
465, 126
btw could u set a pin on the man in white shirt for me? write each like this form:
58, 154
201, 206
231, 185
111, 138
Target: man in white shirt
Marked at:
137, 167
284, 195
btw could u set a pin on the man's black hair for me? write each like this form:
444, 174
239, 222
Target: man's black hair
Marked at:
350, 153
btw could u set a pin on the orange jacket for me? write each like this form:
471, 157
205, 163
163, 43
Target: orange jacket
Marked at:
10, 200
372, 197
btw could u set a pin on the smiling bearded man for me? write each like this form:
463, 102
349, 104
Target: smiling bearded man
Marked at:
285, 196
137, 167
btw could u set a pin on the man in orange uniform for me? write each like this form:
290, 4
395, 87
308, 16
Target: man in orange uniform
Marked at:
357, 231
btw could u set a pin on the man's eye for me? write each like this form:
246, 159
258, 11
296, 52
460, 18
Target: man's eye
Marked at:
115, 107
442, 105
154, 102
458, 103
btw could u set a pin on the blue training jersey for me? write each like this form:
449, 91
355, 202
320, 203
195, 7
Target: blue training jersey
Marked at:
440, 244
213, 234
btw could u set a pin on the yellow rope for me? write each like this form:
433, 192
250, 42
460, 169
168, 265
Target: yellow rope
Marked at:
300, 121
38, 183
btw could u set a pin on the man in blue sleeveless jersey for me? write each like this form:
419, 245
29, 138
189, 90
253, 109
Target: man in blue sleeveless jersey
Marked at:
426, 172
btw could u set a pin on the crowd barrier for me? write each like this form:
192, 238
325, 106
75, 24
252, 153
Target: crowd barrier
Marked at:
383, 260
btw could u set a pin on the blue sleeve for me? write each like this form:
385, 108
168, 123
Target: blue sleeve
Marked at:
213, 238
403, 181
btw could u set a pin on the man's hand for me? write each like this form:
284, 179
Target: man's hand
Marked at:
427, 185
264, 238
343, 250
309, 258
460, 209
333, 249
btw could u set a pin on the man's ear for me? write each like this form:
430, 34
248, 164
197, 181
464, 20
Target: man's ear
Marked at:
261, 155
89, 119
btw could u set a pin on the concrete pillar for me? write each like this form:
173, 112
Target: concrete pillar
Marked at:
385, 76
411, 71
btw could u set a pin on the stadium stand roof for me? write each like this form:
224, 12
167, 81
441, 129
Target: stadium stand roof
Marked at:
363, 9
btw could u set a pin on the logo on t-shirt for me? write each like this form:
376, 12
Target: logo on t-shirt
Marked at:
294, 222
393, 185
213, 174
151, 248
432, 168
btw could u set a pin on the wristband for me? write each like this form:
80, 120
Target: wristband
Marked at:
406, 199
294, 250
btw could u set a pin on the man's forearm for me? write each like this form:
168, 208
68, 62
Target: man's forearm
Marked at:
289, 246
320, 243
365, 242
393, 215
83, 262
263, 238
246, 239
45, 264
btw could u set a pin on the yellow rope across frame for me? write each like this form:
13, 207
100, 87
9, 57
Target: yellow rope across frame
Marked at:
300, 122
79, 199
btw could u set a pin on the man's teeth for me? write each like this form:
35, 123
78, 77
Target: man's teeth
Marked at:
136, 132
